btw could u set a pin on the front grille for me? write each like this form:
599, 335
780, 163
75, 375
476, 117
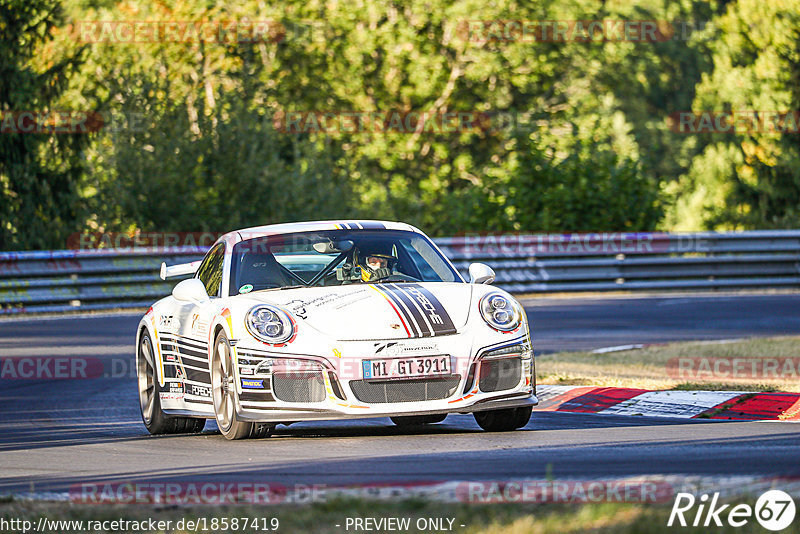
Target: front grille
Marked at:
498, 375
297, 386
408, 390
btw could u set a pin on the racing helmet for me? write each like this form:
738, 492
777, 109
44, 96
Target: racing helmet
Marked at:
375, 260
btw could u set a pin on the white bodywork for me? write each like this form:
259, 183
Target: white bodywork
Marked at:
337, 327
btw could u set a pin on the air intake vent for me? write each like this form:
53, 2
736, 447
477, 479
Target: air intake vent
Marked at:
299, 386
499, 375
414, 390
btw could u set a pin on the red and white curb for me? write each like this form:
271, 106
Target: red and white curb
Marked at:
730, 405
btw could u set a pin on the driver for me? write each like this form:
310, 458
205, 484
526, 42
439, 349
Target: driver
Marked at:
376, 261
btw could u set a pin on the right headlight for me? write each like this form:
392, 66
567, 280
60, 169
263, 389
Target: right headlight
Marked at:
269, 324
500, 312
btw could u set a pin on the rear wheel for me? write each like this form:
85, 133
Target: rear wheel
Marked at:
417, 420
154, 418
223, 393
503, 420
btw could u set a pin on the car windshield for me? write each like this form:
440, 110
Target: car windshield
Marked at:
334, 258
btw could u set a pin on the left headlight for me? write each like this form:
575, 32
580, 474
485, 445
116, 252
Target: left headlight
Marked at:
269, 324
500, 312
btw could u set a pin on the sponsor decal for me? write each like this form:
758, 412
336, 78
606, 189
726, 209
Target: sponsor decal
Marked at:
298, 307
201, 391
247, 288
176, 387
393, 349
199, 328
301, 307
337, 353
168, 395
250, 383
169, 323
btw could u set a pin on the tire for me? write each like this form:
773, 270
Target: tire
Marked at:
503, 420
223, 395
153, 417
417, 420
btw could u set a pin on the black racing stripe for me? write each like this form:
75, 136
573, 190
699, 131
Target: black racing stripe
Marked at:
196, 354
438, 317
170, 371
192, 342
412, 324
415, 311
198, 376
371, 225
194, 345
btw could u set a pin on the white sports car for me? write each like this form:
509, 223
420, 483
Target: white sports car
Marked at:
331, 320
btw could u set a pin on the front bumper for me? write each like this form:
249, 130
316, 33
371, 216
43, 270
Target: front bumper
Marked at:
338, 390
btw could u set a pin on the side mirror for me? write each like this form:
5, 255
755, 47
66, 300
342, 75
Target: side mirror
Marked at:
480, 273
191, 290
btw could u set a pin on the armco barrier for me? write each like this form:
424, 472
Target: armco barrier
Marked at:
71, 280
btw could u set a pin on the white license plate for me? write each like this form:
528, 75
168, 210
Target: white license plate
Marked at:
406, 367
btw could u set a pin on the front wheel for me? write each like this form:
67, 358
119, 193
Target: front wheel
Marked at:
154, 418
223, 394
503, 420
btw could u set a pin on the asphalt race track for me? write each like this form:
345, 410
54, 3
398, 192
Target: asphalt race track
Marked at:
59, 433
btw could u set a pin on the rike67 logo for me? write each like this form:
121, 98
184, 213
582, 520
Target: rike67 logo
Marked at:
774, 510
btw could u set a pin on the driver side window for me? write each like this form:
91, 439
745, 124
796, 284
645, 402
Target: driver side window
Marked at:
210, 271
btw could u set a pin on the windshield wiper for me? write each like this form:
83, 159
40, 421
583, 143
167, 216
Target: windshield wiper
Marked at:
285, 287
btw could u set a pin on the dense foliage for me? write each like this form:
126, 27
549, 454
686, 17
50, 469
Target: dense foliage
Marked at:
572, 135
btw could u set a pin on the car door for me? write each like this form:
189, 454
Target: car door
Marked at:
189, 341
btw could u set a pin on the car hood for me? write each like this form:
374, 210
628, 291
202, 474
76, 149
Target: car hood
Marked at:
377, 311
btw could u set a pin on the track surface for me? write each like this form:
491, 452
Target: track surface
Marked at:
57, 433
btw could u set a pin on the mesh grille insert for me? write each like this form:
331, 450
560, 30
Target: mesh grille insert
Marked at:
498, 375
299, 386
413, 390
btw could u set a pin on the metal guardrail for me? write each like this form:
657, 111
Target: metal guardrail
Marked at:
71, 280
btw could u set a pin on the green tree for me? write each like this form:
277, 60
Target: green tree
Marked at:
749, 178
39, 172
